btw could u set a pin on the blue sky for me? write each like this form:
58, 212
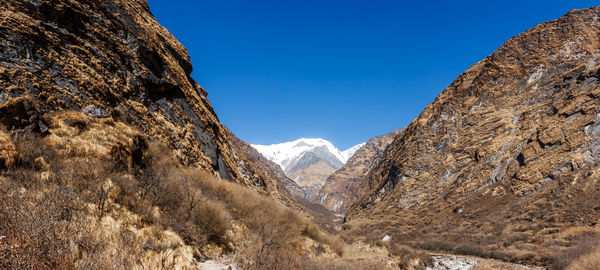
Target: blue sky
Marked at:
342, 70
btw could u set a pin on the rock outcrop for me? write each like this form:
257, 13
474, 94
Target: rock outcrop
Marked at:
112, 59
345, 186
311, 175
509, 148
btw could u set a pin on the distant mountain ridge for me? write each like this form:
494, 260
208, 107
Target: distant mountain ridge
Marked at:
289, 154
307, 161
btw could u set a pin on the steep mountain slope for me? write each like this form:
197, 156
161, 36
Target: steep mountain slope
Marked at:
116, 61
507, 156
308, 162
111, 156
345, 186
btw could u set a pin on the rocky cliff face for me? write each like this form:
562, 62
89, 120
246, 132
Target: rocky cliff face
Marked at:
503, 146
112, 59
345, 186
311, 175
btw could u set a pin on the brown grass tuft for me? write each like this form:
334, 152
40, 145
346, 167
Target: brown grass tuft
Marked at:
590, 261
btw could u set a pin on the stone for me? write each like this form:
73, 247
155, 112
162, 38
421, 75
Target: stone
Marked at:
95, 111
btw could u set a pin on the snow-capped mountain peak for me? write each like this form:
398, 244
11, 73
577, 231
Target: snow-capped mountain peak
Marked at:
348, 153
288, 154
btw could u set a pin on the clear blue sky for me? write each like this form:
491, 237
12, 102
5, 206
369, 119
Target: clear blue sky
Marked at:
342, 70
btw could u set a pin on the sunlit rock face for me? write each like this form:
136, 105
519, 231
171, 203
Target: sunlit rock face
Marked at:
345, 186
520, 125
112, 59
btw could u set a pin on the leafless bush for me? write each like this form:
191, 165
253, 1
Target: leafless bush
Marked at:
588, 243
409, 258
54, 226
36, 228
590, 261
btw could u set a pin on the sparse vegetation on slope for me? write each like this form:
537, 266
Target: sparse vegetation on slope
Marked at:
589, 261
95, 194
504, 162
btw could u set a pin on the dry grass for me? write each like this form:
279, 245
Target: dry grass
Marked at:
408, 257
590, 261
8, 153
56, 213
583, 253
74, 200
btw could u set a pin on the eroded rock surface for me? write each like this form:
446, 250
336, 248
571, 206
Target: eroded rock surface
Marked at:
345, 186
509, 148
112, 59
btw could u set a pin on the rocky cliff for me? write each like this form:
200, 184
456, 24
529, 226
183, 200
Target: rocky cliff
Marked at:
112, 59
111, 156
345, 186
311, 175
509, 149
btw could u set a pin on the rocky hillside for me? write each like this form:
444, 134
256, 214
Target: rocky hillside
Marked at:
345, 186
508, 152
111, 156
113, 59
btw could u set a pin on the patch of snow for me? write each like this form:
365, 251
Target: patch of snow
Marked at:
337, 205
95, 111
323, 198
348, 153
339, 215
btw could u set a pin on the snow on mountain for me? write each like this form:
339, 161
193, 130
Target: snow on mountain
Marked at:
348, 153
288, 154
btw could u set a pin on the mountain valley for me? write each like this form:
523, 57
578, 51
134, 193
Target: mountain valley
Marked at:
112, 157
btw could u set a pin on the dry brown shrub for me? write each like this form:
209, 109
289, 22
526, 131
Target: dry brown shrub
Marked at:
31, 147
409, 258
587, 244
36, 228
56, 221
590, 261
62, 197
